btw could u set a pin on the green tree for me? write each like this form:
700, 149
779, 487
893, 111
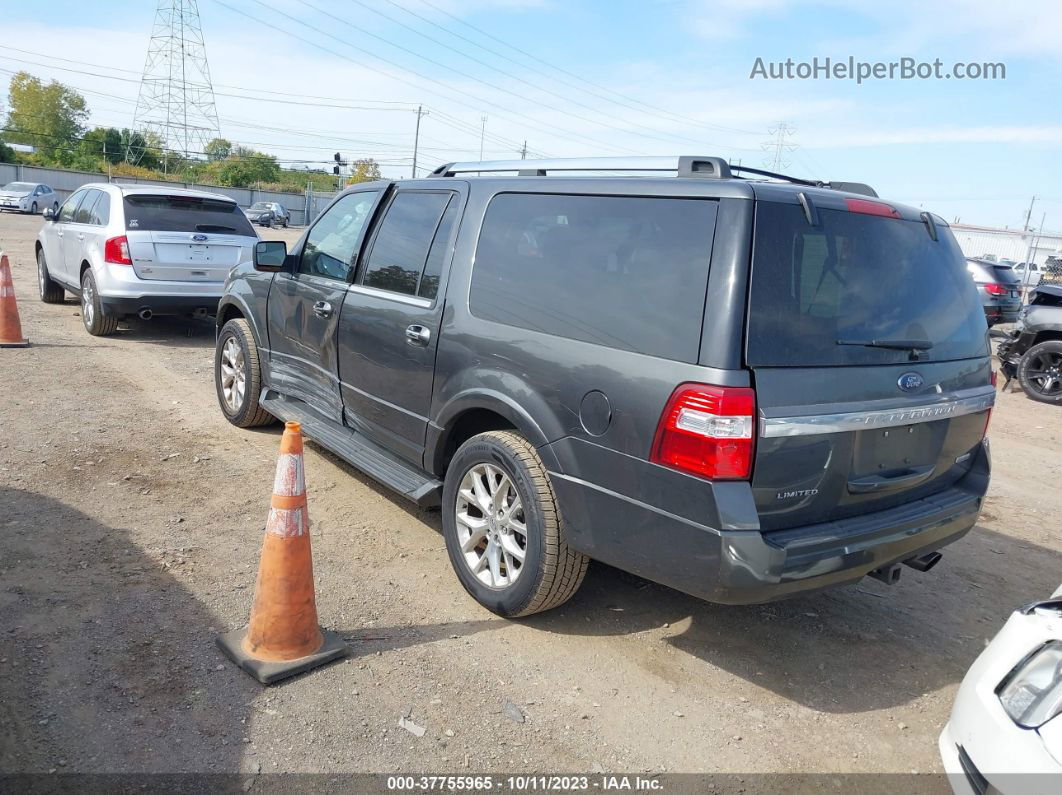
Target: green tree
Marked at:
49, 117
7, 154
218, 149
365, 170
243, 168
99, 145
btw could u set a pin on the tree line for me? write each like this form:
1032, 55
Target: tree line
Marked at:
53, 119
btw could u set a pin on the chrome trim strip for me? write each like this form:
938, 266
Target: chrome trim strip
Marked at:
412, 300
958, 404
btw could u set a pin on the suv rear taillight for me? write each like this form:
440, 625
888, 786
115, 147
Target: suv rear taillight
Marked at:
116, 251
996, 289
708, 431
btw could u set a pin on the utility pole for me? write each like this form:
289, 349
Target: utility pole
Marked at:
523, 151
778, 146
1028, 214
416, 138
482, 132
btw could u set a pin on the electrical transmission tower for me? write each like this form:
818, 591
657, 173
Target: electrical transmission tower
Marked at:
778, 147
176, 99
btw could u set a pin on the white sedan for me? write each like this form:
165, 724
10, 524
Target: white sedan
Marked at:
1005, 732
28, 197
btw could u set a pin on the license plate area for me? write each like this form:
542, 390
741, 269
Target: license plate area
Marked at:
883, 451
198, 253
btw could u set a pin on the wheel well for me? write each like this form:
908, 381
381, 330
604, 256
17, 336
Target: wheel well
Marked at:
228, 312
467, 425
1044, 336
81, 274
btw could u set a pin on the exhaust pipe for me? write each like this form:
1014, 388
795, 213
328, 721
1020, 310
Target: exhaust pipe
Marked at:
145, 314
924, 562
890, 575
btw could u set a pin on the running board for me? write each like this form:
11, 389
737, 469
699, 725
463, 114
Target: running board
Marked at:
357, 451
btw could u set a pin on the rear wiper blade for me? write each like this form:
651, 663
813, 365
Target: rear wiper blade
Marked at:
895, 345
214, 228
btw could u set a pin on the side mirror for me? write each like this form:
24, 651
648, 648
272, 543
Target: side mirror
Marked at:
270, 255
49, 214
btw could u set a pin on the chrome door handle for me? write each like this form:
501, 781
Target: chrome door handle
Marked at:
418, 335
80, 236
322, 309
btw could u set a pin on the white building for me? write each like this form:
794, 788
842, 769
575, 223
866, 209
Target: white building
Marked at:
1007, 244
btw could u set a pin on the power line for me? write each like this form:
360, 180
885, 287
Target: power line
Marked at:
778, 146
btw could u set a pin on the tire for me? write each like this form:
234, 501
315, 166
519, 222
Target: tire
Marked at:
243, 410
1040, 372
551, 572
50, 291
55, 207
33, 208
97, 322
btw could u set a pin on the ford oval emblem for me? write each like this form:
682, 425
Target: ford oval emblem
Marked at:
909, 382
199, 238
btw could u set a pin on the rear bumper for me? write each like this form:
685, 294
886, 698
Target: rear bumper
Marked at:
161, 304
742, 565
1003, 313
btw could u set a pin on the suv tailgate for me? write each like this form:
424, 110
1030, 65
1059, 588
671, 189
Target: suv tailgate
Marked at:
848, 426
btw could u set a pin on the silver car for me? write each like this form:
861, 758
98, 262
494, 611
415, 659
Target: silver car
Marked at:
28, 197
140, 251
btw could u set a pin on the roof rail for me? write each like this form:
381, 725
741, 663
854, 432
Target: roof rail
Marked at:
684, 166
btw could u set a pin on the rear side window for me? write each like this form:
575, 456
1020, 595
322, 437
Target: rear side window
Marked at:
625, 272
83, 214
100, 214
185, 214
402, 245
857, 278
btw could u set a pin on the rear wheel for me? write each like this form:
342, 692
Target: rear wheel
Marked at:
33, 208
504, 532
51, 292
97, 322
238, 376
1040, 372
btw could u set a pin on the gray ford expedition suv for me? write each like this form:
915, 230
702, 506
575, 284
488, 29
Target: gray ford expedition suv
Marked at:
743, 389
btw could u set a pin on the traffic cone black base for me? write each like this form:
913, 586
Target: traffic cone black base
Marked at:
268, 672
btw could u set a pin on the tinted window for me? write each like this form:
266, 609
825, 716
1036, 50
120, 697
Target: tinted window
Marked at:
66, 213
100, 215
83, 214
185, 214
401, 246
852, 278
438, 253
332, 245
625, 272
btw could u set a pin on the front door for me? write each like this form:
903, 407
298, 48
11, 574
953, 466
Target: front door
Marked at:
64, 250
389, 329
304, 305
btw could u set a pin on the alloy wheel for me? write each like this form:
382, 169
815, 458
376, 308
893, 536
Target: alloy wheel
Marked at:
42, 274
491, 526
88, 300
233, 375
1044, 373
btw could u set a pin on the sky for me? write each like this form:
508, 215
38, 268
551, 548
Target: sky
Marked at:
592, 78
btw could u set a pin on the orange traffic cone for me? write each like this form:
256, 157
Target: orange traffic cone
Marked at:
283, 637
10, 327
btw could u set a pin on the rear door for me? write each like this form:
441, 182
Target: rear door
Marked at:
849, 426
304, 306
182, 238
388, 333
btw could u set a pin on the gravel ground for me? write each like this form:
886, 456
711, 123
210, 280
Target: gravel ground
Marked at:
131, 516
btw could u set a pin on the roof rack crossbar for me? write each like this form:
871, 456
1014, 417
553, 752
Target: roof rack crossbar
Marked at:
684, 166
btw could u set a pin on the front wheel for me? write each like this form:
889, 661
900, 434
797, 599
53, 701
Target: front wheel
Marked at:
1040, 372
50, 291
503, 529
33, 208
238, 376
97, 322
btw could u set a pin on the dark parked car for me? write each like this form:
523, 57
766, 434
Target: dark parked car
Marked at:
268, 214
999, 288
742, 389
1033, 353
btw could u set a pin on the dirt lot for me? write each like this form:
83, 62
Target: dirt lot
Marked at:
131, 516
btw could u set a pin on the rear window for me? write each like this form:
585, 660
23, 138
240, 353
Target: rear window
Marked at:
185, 214
856, 278
1005, 274
625, 272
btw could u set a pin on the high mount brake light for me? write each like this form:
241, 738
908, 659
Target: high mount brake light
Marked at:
866, 207
116, 251
707, 431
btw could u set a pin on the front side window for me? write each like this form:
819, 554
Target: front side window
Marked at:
66, 213
624, 272
332, 244
400, 252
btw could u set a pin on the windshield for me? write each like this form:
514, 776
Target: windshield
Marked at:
19, 187
185, 214
259, 206
819, 291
